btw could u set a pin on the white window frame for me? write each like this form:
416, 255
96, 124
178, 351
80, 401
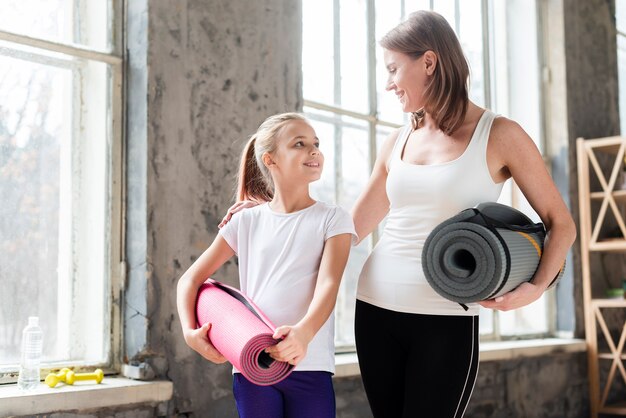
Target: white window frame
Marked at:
114, 246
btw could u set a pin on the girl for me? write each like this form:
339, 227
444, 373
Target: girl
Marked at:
292, 252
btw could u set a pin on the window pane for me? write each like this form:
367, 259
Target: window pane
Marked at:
446, 9
84, 22
354, 162
471, 37
414, 5
32, 104
620, 15
382, 132
530, 319
344, 142
318, 54
325, 188
355, 173
346, 301
353, 35
388, 15
55, 194
485, 321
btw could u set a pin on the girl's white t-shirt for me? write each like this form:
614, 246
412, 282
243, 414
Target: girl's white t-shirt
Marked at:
279, 258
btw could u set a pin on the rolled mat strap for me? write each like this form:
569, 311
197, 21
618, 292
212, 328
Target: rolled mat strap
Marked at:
240, 331
482, 253
244, 300
491, 224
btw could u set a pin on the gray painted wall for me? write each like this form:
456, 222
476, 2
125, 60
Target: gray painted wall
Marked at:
201, 77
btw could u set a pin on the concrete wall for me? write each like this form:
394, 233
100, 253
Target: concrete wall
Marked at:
548, 387
589, 107
213, 71
536, 387
201, 77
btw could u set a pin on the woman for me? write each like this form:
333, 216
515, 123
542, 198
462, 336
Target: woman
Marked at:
453, 156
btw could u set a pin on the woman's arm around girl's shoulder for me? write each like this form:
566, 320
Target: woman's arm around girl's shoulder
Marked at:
513, 152
186, 293
373, 203
236, 208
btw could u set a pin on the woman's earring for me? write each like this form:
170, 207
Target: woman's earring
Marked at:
416, 118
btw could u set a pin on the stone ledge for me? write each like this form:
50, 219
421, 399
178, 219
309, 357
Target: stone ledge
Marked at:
347, 363
112, 392
118, 391
510, 350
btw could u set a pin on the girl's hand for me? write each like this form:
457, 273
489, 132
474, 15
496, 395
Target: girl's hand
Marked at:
292, 348
237, 207
525, 294
198, 339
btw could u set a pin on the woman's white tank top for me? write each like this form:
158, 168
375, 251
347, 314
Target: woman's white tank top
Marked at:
421, 197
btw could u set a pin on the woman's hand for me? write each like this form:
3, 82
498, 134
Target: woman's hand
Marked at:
292, 348
198, 339
525, 294
237, 207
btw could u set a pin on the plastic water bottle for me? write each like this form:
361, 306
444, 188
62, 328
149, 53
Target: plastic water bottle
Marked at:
32, 347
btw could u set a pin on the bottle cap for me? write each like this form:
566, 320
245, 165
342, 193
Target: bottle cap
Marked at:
33, 320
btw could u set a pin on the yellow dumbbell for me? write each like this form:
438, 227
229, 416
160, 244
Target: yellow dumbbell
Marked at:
72, 377
53, 378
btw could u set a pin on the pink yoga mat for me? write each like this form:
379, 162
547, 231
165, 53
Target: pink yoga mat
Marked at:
240, 331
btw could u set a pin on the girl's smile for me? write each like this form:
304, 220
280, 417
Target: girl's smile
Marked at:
297, 157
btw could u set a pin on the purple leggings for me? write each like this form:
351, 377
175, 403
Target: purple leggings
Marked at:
300, 395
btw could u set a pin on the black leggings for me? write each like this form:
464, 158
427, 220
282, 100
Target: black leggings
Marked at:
416, 365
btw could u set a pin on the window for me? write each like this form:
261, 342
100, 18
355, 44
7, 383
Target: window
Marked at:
344, 95
60, 177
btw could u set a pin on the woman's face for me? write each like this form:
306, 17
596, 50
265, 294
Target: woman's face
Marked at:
297, 158
408, 78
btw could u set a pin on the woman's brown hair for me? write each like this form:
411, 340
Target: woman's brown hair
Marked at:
446, 96
254, 181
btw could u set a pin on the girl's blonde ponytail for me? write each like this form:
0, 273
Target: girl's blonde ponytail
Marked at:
251, 184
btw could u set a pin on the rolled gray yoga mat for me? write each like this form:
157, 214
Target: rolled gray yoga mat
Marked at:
482, 253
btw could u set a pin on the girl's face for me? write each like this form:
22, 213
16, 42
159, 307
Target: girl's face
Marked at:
408, 78
297, 158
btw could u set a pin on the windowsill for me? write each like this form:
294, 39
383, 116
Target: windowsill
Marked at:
347, 364
116, 391
113, 391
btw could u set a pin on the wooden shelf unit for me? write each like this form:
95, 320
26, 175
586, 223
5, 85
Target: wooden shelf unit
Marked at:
609, 197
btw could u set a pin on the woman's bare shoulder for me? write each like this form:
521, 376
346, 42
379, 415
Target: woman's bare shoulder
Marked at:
387, 147
507, 137
392, 137
504, 127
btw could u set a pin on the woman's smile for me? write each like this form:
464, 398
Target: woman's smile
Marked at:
313, 164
